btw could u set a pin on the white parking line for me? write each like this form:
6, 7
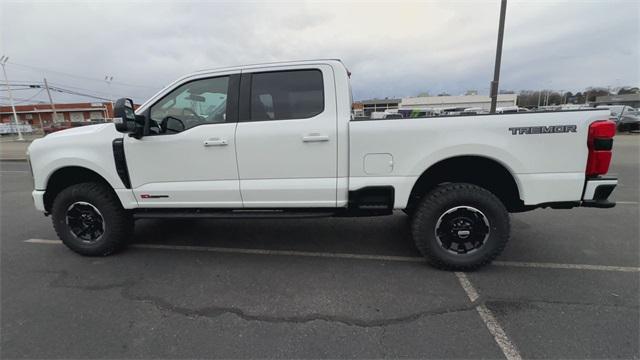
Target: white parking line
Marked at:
508, 348
567, 266
355, 256
258, 251
467, 286
627, 202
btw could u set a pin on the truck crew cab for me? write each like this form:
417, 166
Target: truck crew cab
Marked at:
278, 140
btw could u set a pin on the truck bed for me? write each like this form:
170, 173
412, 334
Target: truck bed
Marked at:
546, 152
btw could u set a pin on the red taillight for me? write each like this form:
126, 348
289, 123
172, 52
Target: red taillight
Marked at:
600, 143
602, 129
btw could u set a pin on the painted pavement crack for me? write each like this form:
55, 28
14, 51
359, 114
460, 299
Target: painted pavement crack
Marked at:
211, 312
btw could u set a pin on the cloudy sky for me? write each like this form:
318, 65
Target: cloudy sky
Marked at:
393, 49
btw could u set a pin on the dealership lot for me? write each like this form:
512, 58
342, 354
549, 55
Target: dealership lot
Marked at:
566, 286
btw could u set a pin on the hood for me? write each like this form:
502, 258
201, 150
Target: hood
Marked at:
80, 130
89, 135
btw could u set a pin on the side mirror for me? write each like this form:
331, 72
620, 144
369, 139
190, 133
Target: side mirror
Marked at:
123, 115
172, 125
126, 120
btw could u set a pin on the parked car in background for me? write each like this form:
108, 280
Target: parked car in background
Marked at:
379, 115
55, 127
474, 111
417, 113
626, 117
510, 109
69, 124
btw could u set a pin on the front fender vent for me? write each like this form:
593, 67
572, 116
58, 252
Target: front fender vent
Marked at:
121, 162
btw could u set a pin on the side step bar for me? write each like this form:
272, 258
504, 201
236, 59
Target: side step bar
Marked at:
230, 214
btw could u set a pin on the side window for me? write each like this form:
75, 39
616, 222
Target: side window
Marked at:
283, 95
194, 103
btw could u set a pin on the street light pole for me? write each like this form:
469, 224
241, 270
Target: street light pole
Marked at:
3, 62
496, 70
108, 79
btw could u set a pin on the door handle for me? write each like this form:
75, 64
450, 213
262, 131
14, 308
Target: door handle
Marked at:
315, 138
216, 142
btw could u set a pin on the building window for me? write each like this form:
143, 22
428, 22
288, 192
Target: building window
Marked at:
96, 115
76, 116
59, 117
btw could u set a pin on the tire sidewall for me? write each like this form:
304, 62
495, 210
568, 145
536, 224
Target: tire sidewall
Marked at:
484, 201
64, 200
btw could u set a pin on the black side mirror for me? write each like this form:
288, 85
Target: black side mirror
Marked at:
126, 120
172, 125
123, 115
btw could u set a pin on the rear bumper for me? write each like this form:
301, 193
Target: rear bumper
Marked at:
597, 191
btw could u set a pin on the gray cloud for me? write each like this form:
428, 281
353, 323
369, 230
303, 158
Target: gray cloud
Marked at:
392, 48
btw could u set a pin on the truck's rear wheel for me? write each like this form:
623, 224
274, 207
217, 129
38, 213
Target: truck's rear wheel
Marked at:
460, 226
89, 219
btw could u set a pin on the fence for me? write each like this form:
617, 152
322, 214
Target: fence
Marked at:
13, 128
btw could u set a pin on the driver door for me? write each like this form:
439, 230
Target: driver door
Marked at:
187, 157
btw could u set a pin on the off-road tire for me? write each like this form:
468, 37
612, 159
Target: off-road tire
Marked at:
445, 197
118, 222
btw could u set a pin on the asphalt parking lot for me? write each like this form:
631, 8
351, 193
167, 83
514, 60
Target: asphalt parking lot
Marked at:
567, 286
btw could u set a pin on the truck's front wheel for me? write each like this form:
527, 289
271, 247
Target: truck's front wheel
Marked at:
89, 219
460, 226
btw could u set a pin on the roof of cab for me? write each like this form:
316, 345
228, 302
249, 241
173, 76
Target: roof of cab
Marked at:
266, 64
204, 72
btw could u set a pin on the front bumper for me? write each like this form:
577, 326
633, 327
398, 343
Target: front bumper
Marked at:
38, 199
597, 191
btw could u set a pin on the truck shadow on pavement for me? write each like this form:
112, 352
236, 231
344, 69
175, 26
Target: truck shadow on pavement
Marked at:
388, 235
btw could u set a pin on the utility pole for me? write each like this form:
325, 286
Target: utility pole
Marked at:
35, 109
3, 62
548, 96
496, 70
53, 107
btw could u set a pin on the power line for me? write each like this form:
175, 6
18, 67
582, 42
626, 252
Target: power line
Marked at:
72, 92
16, 89
78, 88
79, 76
61, 89
37, 84
21, 99
31, 98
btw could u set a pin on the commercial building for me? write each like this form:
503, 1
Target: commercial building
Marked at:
378, 105
632, 100
41, 115
450, 102
357, 108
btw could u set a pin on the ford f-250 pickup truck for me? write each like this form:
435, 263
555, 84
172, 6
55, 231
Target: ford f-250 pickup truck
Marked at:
278, 140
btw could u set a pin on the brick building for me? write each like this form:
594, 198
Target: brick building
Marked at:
42, 114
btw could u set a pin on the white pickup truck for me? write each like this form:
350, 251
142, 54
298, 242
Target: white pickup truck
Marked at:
278, 140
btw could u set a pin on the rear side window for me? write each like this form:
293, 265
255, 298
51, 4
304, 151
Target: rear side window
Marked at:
284, 95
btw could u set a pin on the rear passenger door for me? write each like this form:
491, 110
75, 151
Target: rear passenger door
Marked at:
286, 137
